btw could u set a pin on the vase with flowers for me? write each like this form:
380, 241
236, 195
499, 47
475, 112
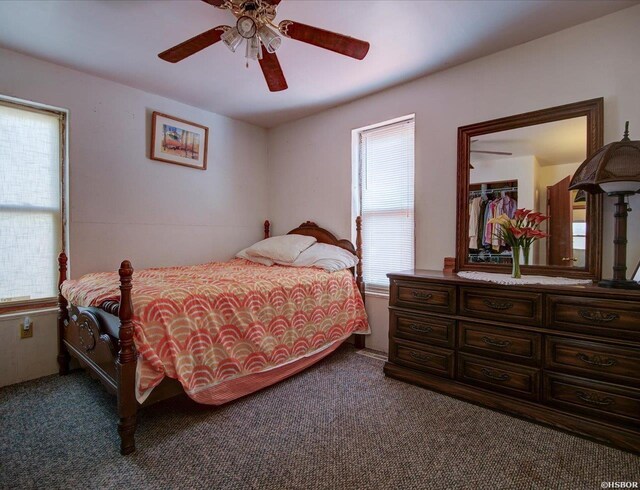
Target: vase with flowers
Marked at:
519, 232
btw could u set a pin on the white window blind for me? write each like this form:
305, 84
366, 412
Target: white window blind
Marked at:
30, 203
386, 188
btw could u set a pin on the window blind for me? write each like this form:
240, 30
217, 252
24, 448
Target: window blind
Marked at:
386, 186
30, 203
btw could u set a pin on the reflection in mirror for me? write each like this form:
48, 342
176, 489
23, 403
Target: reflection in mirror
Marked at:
531, 168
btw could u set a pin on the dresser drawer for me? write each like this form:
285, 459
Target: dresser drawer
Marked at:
593, 359
424, 296
511, 379
433, 360
500, 305
620, 319
422, 328
595, 398
506, 343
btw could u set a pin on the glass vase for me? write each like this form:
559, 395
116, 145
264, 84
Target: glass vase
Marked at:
525, 253
515, 271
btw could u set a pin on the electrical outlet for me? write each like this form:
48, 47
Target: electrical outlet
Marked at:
26, 328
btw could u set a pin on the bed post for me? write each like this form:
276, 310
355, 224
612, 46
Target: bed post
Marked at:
267, 225
359, 339
126, 364
63, 316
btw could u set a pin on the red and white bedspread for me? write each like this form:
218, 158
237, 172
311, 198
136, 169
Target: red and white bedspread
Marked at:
207, 324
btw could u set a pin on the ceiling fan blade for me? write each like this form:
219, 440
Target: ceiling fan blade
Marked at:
338, 43
221, 4
272, 71
492, 152
193, 45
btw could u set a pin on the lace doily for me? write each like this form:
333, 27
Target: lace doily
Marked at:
507, 279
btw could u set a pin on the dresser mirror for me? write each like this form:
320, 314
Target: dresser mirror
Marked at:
527, 161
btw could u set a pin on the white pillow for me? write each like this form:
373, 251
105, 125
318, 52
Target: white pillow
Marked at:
285, 248
324, 256
242, 254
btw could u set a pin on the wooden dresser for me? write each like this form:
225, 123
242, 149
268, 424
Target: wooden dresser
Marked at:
567, 356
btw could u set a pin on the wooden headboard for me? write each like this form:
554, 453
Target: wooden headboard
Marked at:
309, 228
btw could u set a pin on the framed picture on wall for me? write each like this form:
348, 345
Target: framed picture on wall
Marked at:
178, 141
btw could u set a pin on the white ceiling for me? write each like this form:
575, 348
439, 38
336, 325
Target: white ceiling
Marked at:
554, 143
120, 40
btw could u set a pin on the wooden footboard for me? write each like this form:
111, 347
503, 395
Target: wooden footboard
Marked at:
106, 351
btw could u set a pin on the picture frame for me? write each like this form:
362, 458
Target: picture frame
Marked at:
636, 274
178, 141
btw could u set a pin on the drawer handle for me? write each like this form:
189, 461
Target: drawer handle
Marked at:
594, 400
498, 305
498, 377
421, 295
419, 356
420, 328
598, 316
500, 344
596, 360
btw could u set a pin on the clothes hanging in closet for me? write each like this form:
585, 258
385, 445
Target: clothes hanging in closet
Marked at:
483, 234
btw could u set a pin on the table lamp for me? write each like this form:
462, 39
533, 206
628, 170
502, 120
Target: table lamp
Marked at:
614, 169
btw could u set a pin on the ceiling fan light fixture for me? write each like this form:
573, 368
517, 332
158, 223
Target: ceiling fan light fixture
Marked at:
254, 21
246, 26
232, 39
253, 49
269, 38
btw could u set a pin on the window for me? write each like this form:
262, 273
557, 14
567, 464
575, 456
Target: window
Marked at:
31, 203
579, 235
384, 197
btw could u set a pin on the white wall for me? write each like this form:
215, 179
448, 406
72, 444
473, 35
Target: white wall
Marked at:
524, 169
24, 359
126, 206
310, 159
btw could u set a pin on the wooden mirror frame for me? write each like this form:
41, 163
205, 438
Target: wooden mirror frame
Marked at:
594, 111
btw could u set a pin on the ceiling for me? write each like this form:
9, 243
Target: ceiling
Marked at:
554, 143
120, 40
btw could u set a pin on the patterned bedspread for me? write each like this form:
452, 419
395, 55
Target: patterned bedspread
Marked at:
210, 323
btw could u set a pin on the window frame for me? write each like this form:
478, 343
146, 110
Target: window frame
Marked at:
63, 117
356, 189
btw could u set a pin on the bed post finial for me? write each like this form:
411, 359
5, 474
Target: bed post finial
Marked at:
63, 316
267, 226
126, 364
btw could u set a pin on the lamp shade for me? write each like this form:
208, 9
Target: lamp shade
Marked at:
613, 168
269, 38
232, 39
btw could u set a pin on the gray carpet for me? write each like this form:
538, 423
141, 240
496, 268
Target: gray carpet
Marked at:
340, 424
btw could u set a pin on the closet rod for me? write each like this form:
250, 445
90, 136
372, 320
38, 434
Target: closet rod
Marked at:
479, 192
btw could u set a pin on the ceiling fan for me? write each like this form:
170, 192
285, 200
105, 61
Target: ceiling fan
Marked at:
490, 152
255, 25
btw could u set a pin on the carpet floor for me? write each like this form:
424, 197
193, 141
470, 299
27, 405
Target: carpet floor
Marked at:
339, 425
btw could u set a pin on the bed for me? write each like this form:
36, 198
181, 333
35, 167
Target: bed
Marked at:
214, 331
